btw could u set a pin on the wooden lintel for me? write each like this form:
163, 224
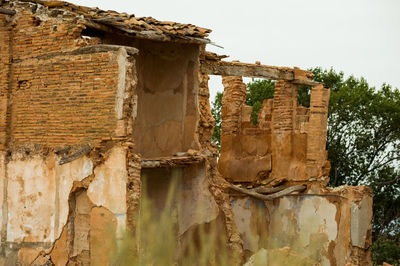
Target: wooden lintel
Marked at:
223, 68
306, 82
7, 11
179, 161
245, 70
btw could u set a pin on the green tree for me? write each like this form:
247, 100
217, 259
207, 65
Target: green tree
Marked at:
363, 145
257, 91
216, 113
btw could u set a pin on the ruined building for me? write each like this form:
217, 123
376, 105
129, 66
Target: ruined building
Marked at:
93, 103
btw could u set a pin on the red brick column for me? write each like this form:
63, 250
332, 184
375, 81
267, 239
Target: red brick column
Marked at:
5, 65
283, 119
232, 102
317, 131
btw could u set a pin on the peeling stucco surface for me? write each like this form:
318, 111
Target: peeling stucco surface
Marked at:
198, 205
306, 224
108, 189
243, 211
31, 200
360, 215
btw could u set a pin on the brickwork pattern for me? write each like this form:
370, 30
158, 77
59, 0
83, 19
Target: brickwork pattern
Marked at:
317, 130
65, 99
232, 101
57, 96
33, 37
285, 102
5, 32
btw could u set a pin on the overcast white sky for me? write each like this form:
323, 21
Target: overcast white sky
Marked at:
359, 37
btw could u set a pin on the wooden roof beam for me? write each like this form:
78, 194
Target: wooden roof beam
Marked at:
7, 11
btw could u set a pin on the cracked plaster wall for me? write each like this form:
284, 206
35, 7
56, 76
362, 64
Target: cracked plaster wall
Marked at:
309, 229
39, 194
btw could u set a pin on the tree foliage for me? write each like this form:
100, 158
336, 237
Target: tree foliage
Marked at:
257, 91
216, 113
363, 144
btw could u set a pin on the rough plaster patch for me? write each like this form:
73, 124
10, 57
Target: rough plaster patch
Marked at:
258, 258
31, 205
122, 64
198, 204
28, 255
306, 224
134, 107
242, 213
359, 222
102, 233
121, 225
2, 179
317, 215
108, 189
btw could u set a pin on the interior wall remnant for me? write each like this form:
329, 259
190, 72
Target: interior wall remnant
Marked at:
288, 142
167, 98
193, 203
245, 150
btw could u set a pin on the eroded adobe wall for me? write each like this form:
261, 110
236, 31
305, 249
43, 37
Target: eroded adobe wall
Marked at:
245, 150
64, 212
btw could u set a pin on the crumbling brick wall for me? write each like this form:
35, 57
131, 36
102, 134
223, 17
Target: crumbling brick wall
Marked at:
61, 93
56, 101
66, 128
5, 61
